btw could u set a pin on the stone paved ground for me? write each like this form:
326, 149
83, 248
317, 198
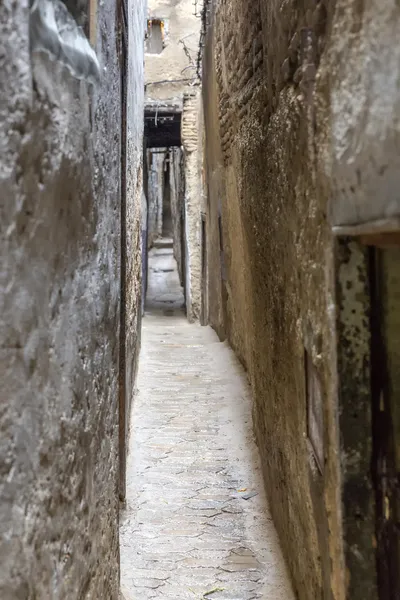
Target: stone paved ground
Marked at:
197, 523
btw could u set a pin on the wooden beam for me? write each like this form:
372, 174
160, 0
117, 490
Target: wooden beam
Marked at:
383, 233
368, 228
390, 239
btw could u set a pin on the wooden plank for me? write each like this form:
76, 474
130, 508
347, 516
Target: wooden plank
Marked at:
391, 239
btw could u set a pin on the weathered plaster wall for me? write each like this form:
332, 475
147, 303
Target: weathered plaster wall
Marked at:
362, 69
134, 182
192, 203
59, 324
270, 257
173, 64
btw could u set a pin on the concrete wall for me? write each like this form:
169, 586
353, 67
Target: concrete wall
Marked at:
60, 236
267, 73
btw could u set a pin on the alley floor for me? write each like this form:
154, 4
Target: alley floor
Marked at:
196, 523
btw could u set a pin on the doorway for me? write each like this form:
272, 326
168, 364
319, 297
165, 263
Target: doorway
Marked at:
368, 342
384, 265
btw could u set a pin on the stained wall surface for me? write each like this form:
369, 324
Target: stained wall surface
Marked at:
134, 189
174, 69
191, 141
270, 78
60, 177
362, 159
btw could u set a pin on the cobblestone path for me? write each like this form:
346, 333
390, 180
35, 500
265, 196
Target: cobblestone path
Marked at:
196, 524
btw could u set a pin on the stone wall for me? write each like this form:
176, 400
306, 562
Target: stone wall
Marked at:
191, 142
134, 184
60, 235
271, 291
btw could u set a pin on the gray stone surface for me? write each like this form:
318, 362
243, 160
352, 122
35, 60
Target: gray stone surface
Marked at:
59, 315
134, 182
192, 203
187, 529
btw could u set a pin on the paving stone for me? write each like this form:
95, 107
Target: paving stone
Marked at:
186, 528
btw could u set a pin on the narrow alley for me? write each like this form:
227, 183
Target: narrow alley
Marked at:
200, 299
196, 523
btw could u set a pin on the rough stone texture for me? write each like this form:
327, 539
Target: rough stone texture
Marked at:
214, 167
196, 519
192, 204
59, 305
270, 254
134, 182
